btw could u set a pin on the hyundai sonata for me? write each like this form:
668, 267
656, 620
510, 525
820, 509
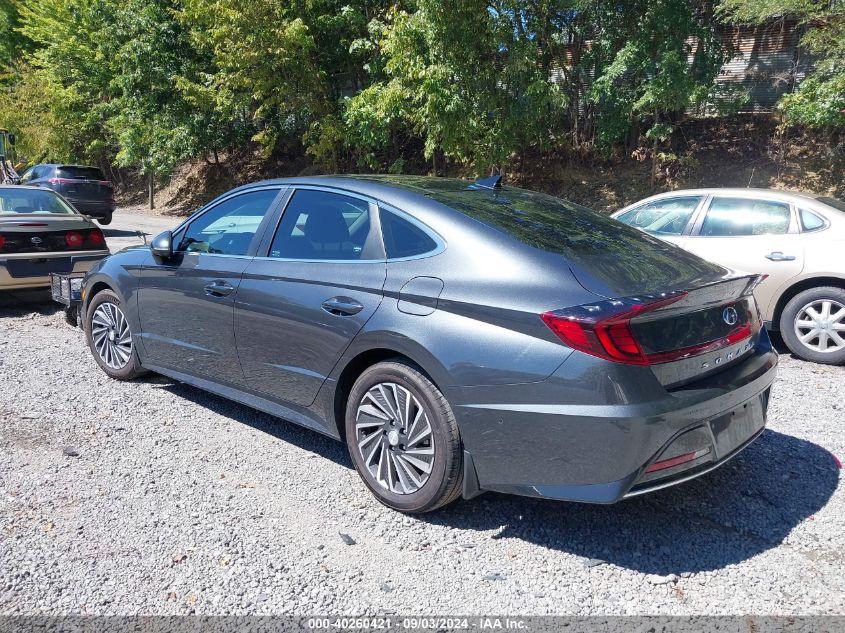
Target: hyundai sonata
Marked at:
459, 337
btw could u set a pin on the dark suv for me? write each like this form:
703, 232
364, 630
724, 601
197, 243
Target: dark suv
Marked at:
84, 187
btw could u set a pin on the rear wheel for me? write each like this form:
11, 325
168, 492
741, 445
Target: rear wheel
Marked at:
403, 438
813, 325
110, 337
106, 220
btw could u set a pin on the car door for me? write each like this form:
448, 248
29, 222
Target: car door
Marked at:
754, 235
186, 303
666, 218
308, 293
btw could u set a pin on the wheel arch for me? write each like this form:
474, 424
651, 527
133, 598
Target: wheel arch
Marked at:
362, 358
799, 287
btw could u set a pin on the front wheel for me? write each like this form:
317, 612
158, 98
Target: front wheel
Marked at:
403, 438
110, 337
813, 325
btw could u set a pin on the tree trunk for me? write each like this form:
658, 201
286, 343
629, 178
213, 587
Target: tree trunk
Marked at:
151, 186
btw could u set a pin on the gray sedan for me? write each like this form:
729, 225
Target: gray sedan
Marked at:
458, 337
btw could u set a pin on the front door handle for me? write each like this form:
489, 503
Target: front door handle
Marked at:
219, 288
341, 306
777, 256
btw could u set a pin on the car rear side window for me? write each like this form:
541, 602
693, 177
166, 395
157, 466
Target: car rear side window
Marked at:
79, 173
321, 225
229, 227
731, 217
402, 238
664, 217
810, 221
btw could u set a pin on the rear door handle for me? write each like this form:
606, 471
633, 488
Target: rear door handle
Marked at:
219, 288
777, 256
341, 306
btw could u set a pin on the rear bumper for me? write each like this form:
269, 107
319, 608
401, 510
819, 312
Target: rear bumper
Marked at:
616, 423
37, 274
94, 208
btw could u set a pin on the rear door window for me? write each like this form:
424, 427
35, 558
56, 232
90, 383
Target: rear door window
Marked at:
668, 216
321, 225
732, 217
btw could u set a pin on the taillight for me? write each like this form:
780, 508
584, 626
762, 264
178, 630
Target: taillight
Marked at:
74, 239
96, 237
2, 242
603, 329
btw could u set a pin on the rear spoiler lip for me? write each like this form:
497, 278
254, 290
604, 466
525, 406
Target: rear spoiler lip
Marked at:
741, 285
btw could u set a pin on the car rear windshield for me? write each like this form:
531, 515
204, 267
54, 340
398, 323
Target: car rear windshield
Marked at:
833, 202
79, 173
14, 200
621, 258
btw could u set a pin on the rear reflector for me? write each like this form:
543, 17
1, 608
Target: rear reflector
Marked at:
677, 461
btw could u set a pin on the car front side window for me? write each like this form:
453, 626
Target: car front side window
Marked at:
322, 225
732, 217
668, 216
229, 227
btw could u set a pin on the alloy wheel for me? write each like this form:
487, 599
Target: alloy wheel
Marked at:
111, 335
820, 325
394, 437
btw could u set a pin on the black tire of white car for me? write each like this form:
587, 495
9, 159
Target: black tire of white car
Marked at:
812, 349
444, 482
132, 369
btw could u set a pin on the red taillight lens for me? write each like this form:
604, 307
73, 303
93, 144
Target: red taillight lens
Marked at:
2, 242
604, 330
74, 239
96, 237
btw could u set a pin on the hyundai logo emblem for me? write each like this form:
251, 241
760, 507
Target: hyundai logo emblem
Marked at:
730, 316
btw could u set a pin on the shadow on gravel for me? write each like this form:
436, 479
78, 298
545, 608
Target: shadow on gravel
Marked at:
289, 432
742, 509
17, 303
746, 507
122, 232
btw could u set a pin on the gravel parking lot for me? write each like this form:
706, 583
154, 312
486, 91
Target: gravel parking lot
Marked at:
154, 497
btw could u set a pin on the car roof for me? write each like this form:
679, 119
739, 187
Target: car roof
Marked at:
741, 192
27, 187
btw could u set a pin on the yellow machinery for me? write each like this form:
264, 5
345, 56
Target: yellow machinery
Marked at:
8, 175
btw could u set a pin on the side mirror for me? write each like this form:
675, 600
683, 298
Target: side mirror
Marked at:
162, 245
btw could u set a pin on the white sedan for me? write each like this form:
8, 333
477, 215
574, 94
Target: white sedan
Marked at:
41, 233
796, 239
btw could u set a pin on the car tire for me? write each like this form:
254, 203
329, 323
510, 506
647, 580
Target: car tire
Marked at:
106, 220
395, 417
798, 321
110, 338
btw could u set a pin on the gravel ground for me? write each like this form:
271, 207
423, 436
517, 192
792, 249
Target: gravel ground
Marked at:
153, 497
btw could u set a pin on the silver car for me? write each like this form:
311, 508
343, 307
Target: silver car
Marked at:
796, 239
40, 233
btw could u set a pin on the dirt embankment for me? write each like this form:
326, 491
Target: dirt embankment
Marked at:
747, 151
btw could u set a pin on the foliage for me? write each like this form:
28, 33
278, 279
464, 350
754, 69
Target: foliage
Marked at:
378, 84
